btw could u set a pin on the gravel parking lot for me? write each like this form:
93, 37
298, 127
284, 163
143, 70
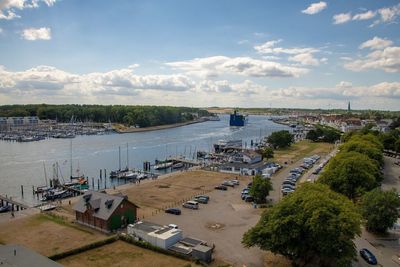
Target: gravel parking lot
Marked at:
222, 222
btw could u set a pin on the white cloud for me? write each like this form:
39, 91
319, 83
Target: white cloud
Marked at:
346, 58
246, 66
365, 16
341, 18
33, 34
382, 57
315, 8
8, 7
269, 48
376, 43
383, 15
305, 59
1, 30
243, 42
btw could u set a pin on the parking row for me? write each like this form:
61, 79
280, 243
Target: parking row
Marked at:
289, 184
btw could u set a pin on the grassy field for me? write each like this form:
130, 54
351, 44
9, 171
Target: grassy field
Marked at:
301, 149
46, 234
121, 253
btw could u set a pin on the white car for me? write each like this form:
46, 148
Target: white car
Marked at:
173, 226
235, 182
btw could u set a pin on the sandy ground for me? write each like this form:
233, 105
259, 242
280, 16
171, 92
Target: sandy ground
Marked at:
121, 253
45, 235
222, 222
155, 196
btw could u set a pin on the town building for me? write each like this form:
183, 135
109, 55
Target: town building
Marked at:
17, 255
105, 212
157, 235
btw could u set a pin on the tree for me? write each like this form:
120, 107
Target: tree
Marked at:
267, 153
313, 226
260, 189
351, 174
380, 209
365, 148
280, 139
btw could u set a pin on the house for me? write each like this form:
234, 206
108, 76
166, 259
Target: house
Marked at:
243, 168
105, 212
157, 235
17, 255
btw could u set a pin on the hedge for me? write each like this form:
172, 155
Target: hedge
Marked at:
78, 250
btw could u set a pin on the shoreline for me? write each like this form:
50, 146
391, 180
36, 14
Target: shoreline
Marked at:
159, 127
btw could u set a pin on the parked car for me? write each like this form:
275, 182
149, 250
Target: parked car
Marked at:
201, 200
249, 199
173, 226
246, 190
235, 182
173, 211
249, 184
203, 196
243, 196
191, 205
221, 187
286, 191
228, 183
289, 182
5, 208
368, 256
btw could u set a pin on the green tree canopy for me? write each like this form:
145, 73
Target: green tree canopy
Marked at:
363, 147
380, 209
260, 189
323, 133
313, 225
351, 173
267, 153
280, 139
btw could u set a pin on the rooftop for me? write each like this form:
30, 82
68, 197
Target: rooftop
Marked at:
19, 256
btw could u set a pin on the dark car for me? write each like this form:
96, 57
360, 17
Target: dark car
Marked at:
203, 196
201, 200
249, 199
368, 256
221, 187
5, 208
173, 211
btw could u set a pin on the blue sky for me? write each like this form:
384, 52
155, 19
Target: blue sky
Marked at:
315, 54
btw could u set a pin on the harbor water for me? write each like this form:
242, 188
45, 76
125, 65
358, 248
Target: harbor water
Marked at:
26, 163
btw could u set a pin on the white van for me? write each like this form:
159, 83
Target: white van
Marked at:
191, 205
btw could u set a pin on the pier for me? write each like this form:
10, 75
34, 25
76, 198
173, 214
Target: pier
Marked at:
186, 162
15, 205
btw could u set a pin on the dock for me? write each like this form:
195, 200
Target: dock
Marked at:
186, 162
15, 205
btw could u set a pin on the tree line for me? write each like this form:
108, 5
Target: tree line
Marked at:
142, 116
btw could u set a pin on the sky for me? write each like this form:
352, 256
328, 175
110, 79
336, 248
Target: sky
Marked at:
226, 53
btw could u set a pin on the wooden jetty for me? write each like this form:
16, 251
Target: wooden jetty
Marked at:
187, 162
15, 205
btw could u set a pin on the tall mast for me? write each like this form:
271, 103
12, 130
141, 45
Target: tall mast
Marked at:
119, 157
45, 173
71, 159
127, 156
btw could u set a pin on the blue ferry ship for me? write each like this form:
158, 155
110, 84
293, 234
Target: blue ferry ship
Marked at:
237, 119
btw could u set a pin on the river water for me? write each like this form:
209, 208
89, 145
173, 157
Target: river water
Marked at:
24, 163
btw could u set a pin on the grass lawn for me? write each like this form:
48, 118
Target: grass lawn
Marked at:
47, 235
121, 253
300, 150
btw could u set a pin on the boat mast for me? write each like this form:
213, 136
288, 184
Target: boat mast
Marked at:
127, 156
71, 159
45, 173
119, 157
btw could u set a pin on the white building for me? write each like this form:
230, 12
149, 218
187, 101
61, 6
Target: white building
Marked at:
161, 236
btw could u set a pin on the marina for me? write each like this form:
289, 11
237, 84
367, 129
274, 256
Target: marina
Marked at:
22, 163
